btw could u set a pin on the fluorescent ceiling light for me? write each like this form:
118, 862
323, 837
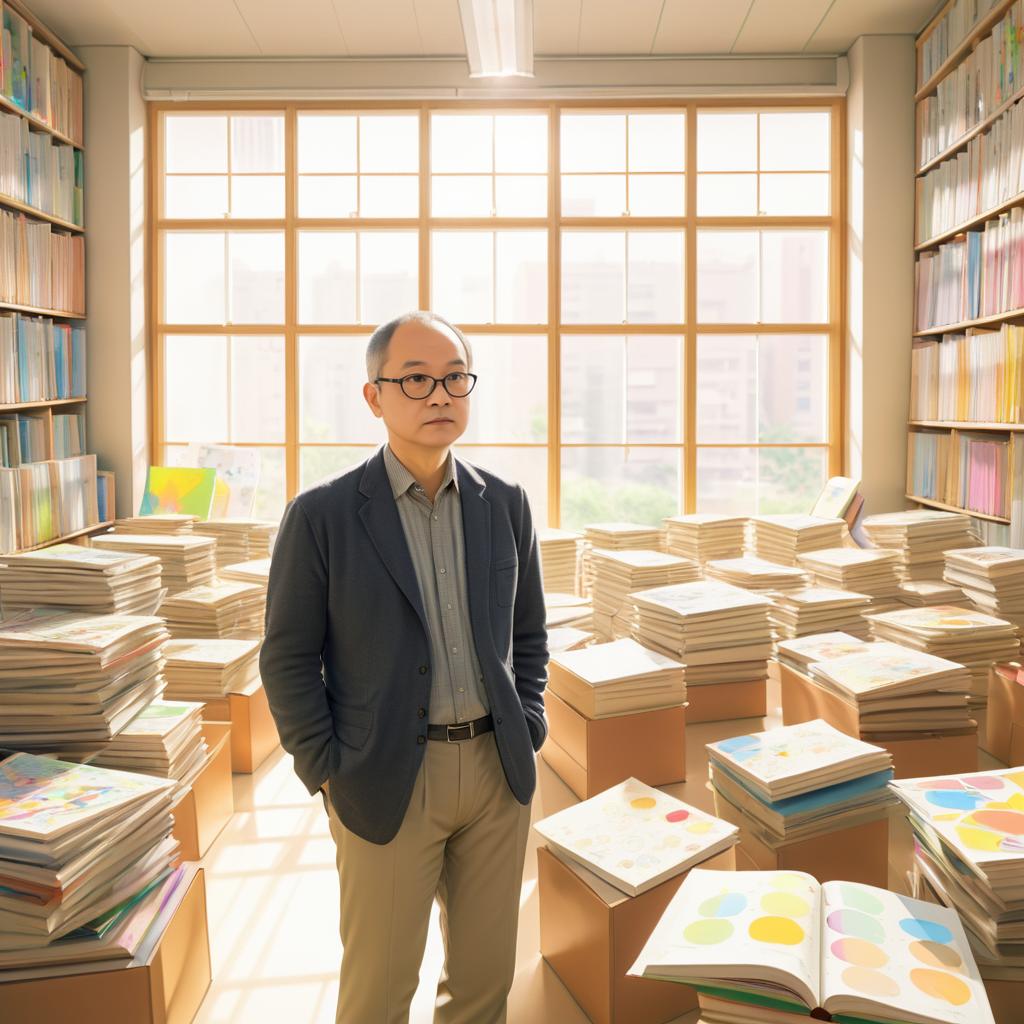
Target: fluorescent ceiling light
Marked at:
499, 37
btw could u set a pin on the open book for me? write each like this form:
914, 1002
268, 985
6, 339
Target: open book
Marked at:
776, 943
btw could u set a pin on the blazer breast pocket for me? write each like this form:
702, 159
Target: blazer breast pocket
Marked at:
506, 572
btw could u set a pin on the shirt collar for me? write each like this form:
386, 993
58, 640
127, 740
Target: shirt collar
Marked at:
401, 479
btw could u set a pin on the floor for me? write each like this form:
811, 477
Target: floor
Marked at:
272, 892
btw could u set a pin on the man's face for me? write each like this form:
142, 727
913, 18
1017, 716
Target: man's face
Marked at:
434, 422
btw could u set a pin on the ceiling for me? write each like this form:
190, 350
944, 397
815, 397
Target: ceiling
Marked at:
363, 28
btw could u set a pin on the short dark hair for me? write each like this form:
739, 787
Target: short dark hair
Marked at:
377, 348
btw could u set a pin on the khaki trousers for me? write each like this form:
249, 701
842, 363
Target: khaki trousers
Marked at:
463, 841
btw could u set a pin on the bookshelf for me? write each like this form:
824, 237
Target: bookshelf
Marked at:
965, 429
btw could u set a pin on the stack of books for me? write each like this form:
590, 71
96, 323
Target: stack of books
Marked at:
923, 593
781, 538
186, 560
819, 610
86, 579
80, 847
604, 833
897, 692
615, 537
567, 638
239, 539
206, 670
920, 537
617, 678
618, 573
871, 571
70, 682
174, 523
992, 577
757, 574
166, 739
559, 558
703, 536
223, 609
800, 652
256, 571
568, 610
973, 639
801, 781
721, 634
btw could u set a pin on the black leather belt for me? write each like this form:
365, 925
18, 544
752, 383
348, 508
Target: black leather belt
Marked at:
460, 730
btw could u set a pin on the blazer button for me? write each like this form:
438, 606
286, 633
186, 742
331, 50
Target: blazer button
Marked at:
423, 670
498, 720
421, 740
421, 712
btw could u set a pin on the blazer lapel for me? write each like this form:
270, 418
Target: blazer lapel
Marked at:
476, 528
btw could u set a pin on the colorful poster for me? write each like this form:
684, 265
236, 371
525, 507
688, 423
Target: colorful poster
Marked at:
178, 489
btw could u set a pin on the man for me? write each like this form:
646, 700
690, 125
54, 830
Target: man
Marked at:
405, 661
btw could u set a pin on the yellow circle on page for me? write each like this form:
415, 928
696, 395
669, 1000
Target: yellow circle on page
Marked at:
940, 985
642, 803
698, 828
788, 883
779, 931
935, 954
979, 838
785, 904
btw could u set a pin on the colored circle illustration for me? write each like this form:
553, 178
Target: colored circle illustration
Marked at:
785, 904
779, 931
930, 930
788, 883
727, 904
870, 982
940, 985
642, 803
675, 816
699, 828
708, 932
954, 799
936, 955
860, 953
861, 899
1010, 822
984, 781
979, 838
858, 925
737, 744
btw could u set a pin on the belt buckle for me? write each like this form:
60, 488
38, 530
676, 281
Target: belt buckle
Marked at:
451, 729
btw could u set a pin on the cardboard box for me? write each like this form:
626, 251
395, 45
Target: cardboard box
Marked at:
1005, 998
253, 730
718, 702
200, 815
592, 754
590, 935
168, 988
1004, 732
856, 854
803, 700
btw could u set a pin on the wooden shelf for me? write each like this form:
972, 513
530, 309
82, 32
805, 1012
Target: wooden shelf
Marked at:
38, 311
955, 508
47, 404
957, 425
32, 211
945, 236
983, 321
66, 537
46, 34
11, 107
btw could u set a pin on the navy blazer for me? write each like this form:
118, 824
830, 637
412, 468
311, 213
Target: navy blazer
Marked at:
346, 658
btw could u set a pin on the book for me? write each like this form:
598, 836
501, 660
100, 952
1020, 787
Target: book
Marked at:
186, 560
704, 536
221, 609
173, 523
614, 537
757, 574
835, 498
206, 670
238, 539
871, 571
800, 652
39, 359
812, 610
919, 537
568, 610
559, 558
781, 538
991, 577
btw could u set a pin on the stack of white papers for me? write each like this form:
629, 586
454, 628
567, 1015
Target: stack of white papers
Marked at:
703, 536
781, 538
559, 559
920, 536
186, 560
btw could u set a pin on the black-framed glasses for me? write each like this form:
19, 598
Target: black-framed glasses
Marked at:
421, 385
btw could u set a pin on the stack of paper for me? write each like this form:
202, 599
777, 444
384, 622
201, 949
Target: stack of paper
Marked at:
206, 670
800, 652
871, 571
87, 579
899, 692
221, 609
922, 593
975, 640
175, 523
704, 536
567, 638
166, 739
617, 573
76, 843
920, 537
757, 574
617, 678
239, 539
604, 834
780, 538
992, 577
70, 682
819, 610
559, 558
568, 610
801, 781
719, 632
185, 561
257, 571
615, 537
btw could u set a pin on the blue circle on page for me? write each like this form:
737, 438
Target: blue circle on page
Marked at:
740, 747
954, 799
931, 931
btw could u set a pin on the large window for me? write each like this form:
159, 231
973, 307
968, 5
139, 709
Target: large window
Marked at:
651, 290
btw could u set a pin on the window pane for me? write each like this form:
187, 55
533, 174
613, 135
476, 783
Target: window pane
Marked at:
510, 400
256, 277
655, 282
727, 276
462, 276
727, 195
799, 195
332, 371
657, 142
621, 389
195, 196
257, 196
770, 480
318, 464
327, 142
521, 143
637, 485
656, 195
593, 142
726, 141
593, 277
463, 195
593, 195
194, 277
521, 195
521, 277
727, 388
794, 283
389, 143
195, 144
327, 277
196, 407
257, 389
461, 143
727, 480
795, 140
526, 466
257, 144
389, 195
388, 274
328, 196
